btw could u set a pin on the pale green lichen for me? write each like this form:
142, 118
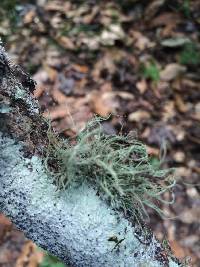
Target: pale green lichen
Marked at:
118, 166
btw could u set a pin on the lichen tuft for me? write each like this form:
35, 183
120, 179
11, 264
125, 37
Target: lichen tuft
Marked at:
117, 166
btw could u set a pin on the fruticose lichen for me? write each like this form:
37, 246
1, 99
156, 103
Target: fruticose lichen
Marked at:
117, 166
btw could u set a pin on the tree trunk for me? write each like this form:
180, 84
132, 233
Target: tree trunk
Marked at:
74, 225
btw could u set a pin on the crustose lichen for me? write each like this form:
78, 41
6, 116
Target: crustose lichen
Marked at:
118, 166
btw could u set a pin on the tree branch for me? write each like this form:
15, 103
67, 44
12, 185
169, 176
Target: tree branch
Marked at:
75, 225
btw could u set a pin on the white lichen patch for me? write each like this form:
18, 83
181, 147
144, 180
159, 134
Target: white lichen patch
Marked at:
76, 225
21, 94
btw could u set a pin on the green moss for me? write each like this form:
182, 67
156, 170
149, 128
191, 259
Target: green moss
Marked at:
190, 54
185, 8
150, 71
118, 166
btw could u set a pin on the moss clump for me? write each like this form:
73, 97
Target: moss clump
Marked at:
118, 167
190, 55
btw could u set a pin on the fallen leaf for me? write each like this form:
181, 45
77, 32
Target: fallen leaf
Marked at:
181, 106
169, 111
179, 156
80, 68
153, 8
29, 17
59, 97
4, 220
190, 215
103, 104
177, 250
175, 42
113, 33
53, 6
196, 114
142, 86
30, 256
90, 17
140, 41
152, 151
138, 116
166, 19
171, 71
192, 193
57, 112
124, 95
65, 42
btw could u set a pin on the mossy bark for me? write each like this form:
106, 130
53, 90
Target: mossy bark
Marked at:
75, 225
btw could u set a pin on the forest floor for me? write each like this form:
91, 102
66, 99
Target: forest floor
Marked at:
136, 60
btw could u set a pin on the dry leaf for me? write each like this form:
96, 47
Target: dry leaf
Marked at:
29, 17
179, 156
140, 41
59, 97
175, 42
153, 8
181, 106
30, 256
171, 71
177, 250
166, 19
80, 68
57, 112
138, 116
168, 111
4, 220
103, 104
190, 215
65, 42
142, 86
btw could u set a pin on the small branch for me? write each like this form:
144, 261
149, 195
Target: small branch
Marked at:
75, 225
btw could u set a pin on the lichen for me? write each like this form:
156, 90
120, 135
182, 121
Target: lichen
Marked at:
21, 94
117, 166
75, 224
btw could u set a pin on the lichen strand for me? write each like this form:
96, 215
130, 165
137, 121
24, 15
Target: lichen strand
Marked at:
75, 225
118, 167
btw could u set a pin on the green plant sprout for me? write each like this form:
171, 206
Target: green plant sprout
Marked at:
51, 261
185, 7
151, 72
190, 54
117, 166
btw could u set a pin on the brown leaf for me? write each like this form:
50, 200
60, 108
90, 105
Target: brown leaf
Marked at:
196, 114
4, 220
168, 110
30, 256
142, 86
166, 19
65, 42
140, 41
57, 112
153, 8
138, 116
179, 156
80, 68
29, 17
39, 89
171, 71
181, 106
59, 97
103, 104
177, 249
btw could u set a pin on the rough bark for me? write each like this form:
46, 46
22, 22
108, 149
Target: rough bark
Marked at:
75, 225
